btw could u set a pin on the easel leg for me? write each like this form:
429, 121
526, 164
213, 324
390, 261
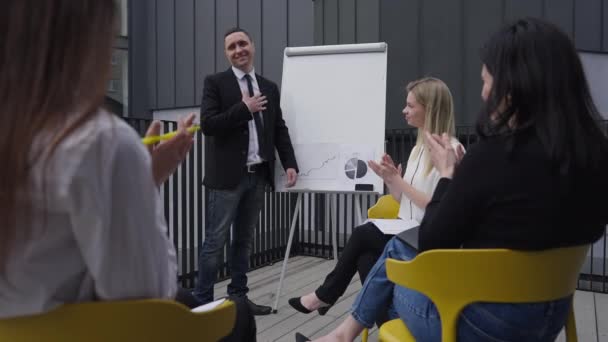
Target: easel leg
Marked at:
294, 220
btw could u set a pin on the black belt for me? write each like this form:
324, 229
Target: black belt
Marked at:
256, 168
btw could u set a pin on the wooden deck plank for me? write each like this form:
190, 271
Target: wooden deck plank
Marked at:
561, 337
295, 278
304, 274
309, 283
295, 320
256, 276
284, 311
584, 309
601, 310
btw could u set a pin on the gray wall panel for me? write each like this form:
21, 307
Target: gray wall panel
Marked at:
274, 38
588, 24
402, 54
250, 18
368, 21
605, 26
331, 22
346, 21
448, 50
319, 13
184, 53
175, 44
226, 18
150, 78
481, 18
140, 88
560, 12
205, 41
515, 9
301, 17
441, 36
165, 53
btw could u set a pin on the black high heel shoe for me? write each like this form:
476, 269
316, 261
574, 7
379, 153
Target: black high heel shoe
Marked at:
301, 338
296, 303
323, 310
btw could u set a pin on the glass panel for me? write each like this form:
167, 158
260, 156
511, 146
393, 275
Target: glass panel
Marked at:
122, 8
117, 93
117, 99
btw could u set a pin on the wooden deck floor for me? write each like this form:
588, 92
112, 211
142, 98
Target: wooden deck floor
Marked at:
304, 274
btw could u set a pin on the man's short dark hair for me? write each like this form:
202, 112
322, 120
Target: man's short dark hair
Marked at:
235, 30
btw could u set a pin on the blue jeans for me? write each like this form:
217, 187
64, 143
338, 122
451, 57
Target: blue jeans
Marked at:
239, 207
478, 322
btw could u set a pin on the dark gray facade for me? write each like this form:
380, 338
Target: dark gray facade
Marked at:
174, 44
441, 38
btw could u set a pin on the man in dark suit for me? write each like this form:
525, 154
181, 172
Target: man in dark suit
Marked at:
243, 124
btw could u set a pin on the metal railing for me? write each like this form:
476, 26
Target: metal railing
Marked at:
184, 201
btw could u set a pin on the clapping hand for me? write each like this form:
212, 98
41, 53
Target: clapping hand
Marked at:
167, 155
386, 169
443, 155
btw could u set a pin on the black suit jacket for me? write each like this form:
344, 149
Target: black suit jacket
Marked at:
224, 122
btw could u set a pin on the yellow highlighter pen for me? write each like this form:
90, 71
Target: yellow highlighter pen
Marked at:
157, 138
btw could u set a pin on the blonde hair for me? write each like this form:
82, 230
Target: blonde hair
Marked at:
435, 96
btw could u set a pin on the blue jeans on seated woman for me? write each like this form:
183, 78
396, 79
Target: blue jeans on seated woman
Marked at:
478, 322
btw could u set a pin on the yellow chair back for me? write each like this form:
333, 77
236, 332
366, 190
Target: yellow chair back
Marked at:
139, 320
385, 208
453, 279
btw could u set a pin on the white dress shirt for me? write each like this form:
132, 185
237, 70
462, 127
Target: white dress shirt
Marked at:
253, 152
416, 176
99, 235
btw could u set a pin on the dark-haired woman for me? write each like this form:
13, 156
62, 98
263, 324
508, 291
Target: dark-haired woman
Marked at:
535, 181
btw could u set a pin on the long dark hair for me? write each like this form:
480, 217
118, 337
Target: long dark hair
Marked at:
54, 68
539, 86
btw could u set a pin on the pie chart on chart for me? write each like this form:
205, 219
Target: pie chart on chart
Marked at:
355, 168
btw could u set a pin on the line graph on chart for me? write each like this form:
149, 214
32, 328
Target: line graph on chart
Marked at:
317, 161
329, 166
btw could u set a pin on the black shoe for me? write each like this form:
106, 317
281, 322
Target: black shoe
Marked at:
323, 310
258, 310
296, 303
301, 338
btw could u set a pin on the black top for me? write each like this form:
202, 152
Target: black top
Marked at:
515, 200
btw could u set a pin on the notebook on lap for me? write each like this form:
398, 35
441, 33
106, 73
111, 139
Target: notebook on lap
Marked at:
410, 237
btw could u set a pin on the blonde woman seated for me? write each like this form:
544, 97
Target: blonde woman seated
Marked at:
429, 107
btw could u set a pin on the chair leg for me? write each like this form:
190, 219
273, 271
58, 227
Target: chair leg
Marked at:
365, 335
571, 325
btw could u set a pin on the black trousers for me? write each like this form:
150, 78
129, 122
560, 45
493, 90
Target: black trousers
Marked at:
244, 328
361, 252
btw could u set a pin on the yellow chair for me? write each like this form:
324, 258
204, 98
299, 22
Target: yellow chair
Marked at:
385, 208
452, 279
139, 320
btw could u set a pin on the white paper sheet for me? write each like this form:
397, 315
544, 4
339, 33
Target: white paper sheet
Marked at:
209, 306
393, 227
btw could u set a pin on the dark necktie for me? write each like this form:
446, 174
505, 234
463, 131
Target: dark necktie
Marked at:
258, 122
